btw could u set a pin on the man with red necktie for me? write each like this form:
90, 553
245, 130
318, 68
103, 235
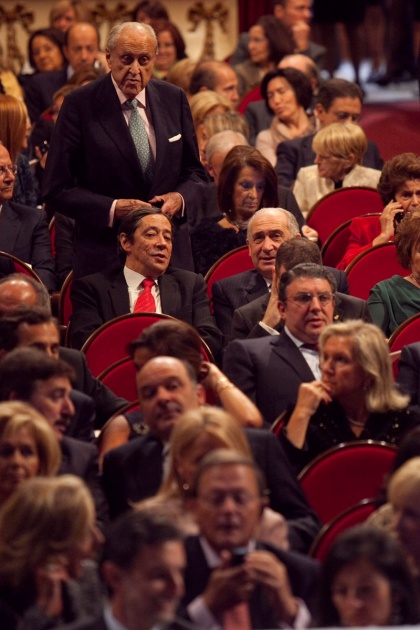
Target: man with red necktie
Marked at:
144, 283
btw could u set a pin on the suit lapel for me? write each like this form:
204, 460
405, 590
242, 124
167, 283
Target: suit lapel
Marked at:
118, 295
10, 224
170, 296
256, 286
110, 115
290, 354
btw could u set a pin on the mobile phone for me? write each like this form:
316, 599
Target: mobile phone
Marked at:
238, 556
44, 146
397, 219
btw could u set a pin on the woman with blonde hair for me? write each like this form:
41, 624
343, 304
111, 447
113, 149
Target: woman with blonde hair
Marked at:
206, 429
14, 126
28, 447
46, 535
356, 397
204, 104
339, 149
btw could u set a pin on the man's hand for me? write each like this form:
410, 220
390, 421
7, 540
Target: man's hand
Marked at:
268, 571
172, 203
228, 586
124, 206
301, 32
272, 314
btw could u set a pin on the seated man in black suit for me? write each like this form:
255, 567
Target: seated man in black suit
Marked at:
261, 317
270, 369
45, 383
34, 327
145, 241
338, 100
23, 230
167, 388
229, 574
409, 371
142, 565
267, 230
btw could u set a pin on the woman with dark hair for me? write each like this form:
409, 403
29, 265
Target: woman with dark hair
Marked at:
247, 182
365, 581
45, 50
171, 47
148, 10
287, 94
399, 189
394, 300
269, 42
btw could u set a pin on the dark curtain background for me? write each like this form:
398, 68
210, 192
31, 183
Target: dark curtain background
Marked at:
251, 10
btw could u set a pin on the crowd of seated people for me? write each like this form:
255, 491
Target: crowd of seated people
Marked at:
183, 507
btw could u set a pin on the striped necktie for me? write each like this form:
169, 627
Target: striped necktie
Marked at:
141, 140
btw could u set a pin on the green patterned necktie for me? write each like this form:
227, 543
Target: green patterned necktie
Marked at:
140, 139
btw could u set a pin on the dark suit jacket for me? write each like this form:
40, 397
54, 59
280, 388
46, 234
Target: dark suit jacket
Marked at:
409, 372
82, 424
40, 89
258, 118
102, 296
106, 402
92, 161
81, 459
24, 233
246, 318
294, 154
269, 370
302, 573
85, 624
242, 288
133, 472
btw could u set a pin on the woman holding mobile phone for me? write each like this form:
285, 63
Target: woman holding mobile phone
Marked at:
399, 189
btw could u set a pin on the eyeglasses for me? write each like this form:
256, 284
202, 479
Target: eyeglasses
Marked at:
304, 299
240, 498
12, 168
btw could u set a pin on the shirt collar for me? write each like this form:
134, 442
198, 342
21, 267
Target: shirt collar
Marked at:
133, 278
141, 96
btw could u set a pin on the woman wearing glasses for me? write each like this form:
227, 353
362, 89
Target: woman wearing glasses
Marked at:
339, 149
356, 397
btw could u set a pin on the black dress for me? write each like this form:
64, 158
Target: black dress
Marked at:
329, 427
210, 241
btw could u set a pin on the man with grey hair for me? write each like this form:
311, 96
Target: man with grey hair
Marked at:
121, 142
267, 230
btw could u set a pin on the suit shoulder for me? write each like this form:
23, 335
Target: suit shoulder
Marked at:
183, 275
99, 278
125, 451
26, 212
237, 279
257, 345
78, 446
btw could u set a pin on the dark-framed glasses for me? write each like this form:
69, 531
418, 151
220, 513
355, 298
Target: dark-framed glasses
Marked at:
12, 168
304, 299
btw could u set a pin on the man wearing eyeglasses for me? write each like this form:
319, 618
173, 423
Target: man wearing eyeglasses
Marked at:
230, 575
340, 101
270, 369
23, 230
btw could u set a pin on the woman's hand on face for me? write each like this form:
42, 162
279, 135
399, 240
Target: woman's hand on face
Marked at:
311, 395
49, 579
387, 222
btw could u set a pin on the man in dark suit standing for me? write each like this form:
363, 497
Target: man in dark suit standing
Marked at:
261, 317
146, 244
119, 143
23, 230
270, 369
231, 575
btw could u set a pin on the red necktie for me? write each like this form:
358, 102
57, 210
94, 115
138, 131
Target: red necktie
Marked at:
237, 618
145, 303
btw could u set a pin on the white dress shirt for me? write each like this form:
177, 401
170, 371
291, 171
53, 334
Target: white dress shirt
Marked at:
134, 280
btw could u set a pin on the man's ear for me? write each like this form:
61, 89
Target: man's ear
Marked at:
282, 309
249, 248
112, 575
65, 53
201, 394
124, 242
319, 110
278, 11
